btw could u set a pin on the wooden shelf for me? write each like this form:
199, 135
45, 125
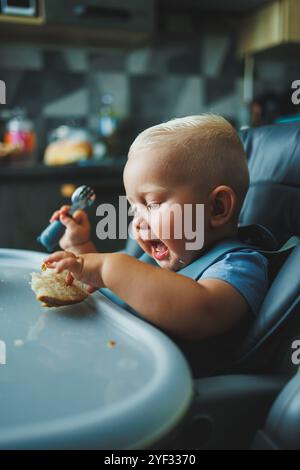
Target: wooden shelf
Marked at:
70, 36
38, 20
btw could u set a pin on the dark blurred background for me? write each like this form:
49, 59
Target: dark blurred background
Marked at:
176, 58
105, 70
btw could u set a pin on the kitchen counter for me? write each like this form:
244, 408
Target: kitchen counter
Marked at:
30, 194
106, 168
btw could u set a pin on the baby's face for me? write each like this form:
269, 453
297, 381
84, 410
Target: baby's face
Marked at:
154, 193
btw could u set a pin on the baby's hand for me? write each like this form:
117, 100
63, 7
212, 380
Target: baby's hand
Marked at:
78, 229
86, 268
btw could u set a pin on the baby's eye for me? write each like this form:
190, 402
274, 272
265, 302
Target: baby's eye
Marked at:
153, 206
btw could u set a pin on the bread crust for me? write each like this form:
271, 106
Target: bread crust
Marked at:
49, 302
52, 290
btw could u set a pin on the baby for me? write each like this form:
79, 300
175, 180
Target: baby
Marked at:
196, 160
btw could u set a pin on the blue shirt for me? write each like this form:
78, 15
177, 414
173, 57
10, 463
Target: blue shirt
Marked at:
247, 271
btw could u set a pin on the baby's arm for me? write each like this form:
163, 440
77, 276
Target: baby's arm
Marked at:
175, 303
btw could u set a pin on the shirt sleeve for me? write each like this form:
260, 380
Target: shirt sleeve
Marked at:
247, 271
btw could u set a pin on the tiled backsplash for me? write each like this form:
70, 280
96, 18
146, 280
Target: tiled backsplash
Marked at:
149, 85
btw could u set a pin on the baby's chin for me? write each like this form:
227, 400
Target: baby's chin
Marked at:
172, 264
170, 260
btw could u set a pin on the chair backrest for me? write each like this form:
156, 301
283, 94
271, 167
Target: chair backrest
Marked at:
273, 199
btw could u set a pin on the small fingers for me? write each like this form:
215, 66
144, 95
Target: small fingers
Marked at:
91, 289
67, 221
64, 260
71, 264
80, 217
57, 256
62, 211
54, 216
69, 279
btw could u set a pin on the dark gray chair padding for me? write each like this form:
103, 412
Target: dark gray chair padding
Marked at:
282, 427
279, 316
273, 199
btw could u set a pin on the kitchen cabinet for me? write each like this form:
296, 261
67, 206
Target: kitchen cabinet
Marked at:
132, 15
35, 20
28, 196
90, 23
272, 26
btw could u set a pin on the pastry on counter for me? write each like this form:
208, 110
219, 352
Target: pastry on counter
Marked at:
67, 152
70, 146
8, 150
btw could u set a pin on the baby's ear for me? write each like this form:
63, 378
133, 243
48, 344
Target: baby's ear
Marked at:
222, 202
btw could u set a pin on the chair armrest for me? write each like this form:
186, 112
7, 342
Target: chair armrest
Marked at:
227, 411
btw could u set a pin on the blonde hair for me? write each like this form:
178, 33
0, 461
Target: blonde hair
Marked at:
205, 147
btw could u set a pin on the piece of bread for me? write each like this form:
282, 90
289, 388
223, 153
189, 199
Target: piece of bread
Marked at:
51, 289
65, 152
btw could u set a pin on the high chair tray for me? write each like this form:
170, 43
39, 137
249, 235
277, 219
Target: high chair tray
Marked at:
64, 385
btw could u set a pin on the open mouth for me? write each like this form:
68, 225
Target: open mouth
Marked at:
159, 250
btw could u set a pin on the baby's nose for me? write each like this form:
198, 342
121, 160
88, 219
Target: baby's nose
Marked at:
140, 223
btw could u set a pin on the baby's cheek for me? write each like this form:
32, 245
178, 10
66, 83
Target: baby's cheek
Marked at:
134, 230
178, 248
171, 225
154, 224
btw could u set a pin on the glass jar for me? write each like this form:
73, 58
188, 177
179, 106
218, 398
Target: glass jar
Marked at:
20, 133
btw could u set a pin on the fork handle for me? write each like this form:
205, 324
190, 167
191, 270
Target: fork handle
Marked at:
50, 237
